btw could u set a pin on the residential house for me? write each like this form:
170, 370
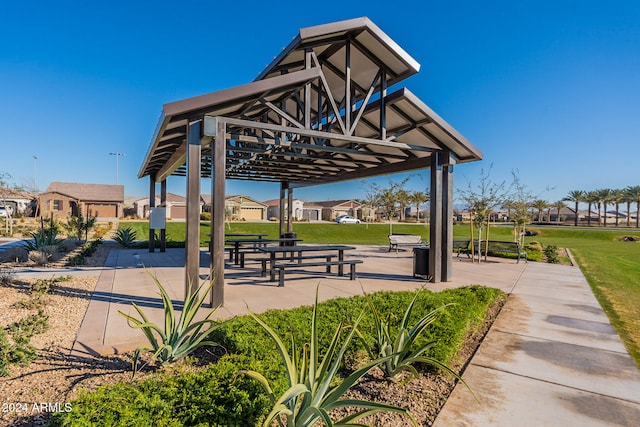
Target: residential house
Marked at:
17, 202
273, 209
245, 208
64, 199
176, 206
331, 209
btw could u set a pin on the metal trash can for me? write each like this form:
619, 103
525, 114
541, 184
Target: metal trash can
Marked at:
288, 236
421, 262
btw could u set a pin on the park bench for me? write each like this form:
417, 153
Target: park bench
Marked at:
401, 240
282, 266
461, 246
498, 248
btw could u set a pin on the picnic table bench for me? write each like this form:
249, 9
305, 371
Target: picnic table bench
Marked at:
409, 240
281, 267
496, 247
295, 261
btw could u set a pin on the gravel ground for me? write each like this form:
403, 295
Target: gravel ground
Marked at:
55, 378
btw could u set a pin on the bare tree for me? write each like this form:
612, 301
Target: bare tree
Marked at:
5, 178
481, 200
388, 198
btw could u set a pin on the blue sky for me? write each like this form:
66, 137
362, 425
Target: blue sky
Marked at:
549, 89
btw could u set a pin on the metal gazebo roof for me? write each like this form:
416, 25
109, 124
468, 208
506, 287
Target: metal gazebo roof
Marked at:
307, 88
321, 112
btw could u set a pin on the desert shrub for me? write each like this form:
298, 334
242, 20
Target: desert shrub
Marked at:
100, 232
7, 276
52, 251
87, 250
19, 349
77, 226
15, 254
534, 246
214, 396
39, 257
67, 245
551, 254
29, 326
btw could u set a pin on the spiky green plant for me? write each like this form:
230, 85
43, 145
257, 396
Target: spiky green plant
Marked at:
178, 337
44, 237
126, 237
314, 386
399, 349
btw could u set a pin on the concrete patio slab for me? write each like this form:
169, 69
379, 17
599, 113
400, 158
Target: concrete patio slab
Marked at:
551, 358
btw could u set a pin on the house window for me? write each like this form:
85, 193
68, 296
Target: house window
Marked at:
57, 205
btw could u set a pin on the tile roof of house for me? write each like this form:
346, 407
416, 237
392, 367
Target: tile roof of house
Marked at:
88, 192
15, 194
240, 198
333, 203
276, 202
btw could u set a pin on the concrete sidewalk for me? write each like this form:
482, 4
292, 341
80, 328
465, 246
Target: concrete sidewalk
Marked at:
551, 358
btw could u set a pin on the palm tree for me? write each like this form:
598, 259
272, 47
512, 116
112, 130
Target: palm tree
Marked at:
604, 197
617, 197
591, 197
404, 199
634, 195
508, 204
419, 197
559, 205
575, 196
540, 205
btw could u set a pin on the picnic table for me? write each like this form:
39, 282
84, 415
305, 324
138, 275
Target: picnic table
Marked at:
247, 235
256, 235
296, 260
257, 243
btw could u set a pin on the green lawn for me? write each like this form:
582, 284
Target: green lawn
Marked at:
611, 267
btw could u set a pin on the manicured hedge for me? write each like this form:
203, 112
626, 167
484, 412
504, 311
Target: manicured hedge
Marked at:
216, 396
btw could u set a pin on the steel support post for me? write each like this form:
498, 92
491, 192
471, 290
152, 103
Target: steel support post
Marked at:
152, 204
289, 210
435, 213
217, 214
192, 242
283, 188
163, 203
447, 163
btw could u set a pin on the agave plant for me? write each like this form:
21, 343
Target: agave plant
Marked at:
399, 350
314, 387
178, 337
45, 236
126, 237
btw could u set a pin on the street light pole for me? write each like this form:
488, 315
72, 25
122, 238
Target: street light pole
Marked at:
117, 155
